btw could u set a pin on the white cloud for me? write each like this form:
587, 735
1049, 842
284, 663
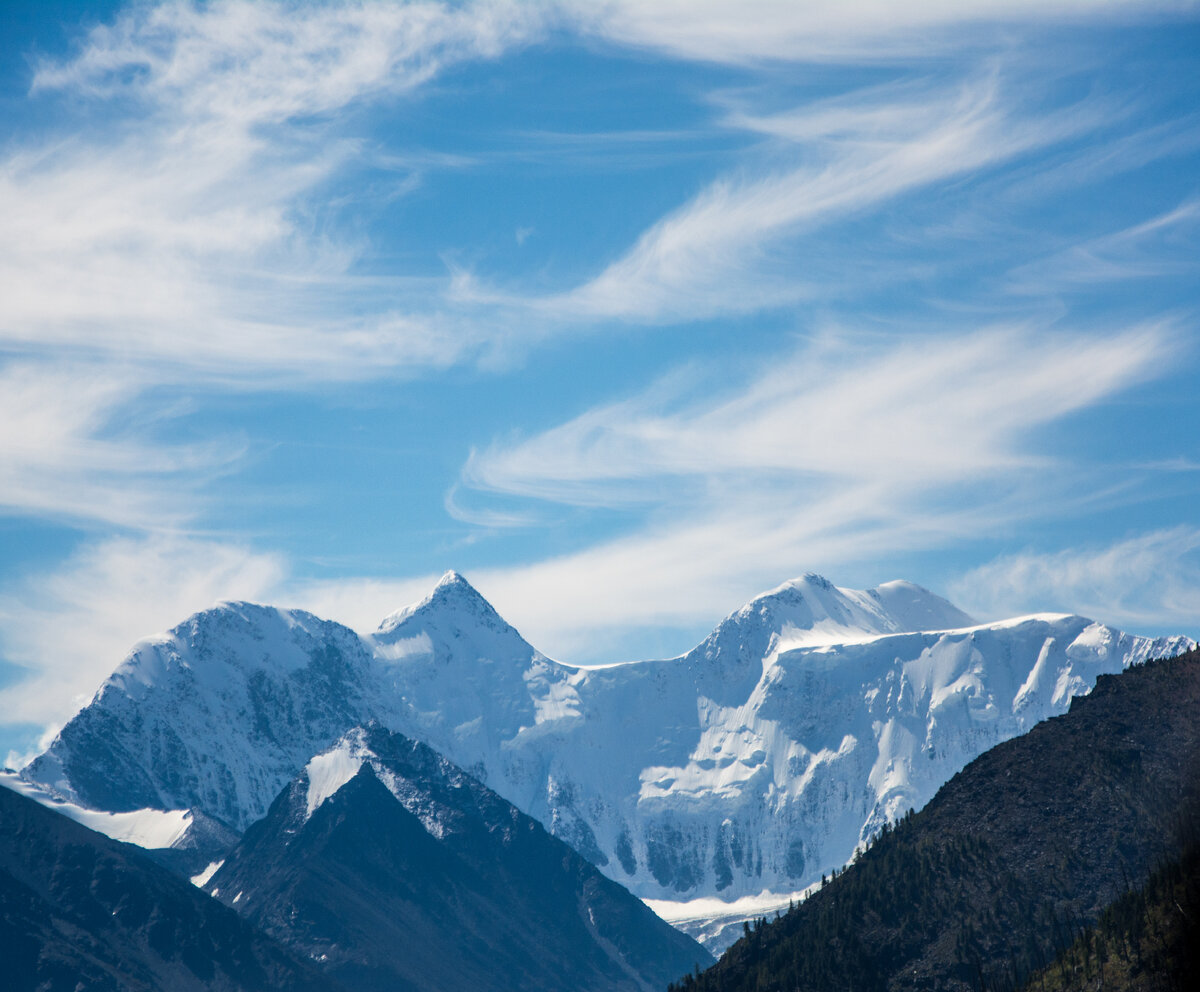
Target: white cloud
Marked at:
184, 233
747, 241
71, 627
729, 31
67, 454
1164, 245
247, 63
1148, 581
937, 410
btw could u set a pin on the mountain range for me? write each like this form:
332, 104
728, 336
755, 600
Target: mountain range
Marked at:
759, 760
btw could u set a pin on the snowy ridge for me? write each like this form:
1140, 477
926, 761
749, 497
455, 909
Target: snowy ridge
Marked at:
756, 761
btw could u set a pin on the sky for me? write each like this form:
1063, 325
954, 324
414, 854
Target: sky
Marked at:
627, 311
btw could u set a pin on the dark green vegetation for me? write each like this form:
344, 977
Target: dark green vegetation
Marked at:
1012, 857
451, 888
80, 911
1146, 941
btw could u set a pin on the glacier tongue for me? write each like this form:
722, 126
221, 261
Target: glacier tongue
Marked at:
756, 761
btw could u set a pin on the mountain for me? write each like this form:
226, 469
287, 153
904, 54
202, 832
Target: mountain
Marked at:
397, 870
1008, 861
215, 715
78, 910
757, 761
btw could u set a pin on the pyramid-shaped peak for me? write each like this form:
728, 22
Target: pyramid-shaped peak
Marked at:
454, 595
453, 587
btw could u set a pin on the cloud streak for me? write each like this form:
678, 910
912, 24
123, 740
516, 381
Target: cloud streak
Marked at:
748, 241
1149, 580
67, 456
758, 31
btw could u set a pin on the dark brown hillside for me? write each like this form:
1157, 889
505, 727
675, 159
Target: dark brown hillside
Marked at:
1008, 862
1146, 941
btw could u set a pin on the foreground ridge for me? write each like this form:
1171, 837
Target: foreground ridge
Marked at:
396, 869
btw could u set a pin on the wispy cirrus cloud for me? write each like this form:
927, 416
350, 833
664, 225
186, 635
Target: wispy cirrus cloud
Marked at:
189, 232
830, 31
934, 410
750, 240
178, 230
69, 456
1163, 245
1148, 580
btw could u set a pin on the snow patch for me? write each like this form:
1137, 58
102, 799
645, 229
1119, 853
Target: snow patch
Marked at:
328, 772
202, 879
406, 647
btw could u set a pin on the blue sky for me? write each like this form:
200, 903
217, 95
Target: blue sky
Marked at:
627, 311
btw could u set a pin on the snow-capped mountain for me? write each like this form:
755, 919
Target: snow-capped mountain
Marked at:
217, 714
758, 760
395, 869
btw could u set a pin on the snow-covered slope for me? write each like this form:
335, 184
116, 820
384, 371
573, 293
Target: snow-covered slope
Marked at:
216, 714
756, 761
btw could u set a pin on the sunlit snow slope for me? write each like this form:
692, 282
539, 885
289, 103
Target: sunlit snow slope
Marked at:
756, 761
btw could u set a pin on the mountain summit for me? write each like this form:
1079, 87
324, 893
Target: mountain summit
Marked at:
452, 594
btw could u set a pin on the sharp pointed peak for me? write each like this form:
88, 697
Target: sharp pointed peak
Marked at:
451, 591
452, 579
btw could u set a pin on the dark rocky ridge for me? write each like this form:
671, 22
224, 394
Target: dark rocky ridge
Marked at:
447, 888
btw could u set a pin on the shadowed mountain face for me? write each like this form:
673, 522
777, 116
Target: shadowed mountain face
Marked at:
809, 717
397, 870
997, 874
80, 911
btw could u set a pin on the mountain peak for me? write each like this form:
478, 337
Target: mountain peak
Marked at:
452, 578
451, 590
811, 611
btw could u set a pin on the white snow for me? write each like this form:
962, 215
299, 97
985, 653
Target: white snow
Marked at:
328, 772
201, 880
718, 924
405, 647
707, 908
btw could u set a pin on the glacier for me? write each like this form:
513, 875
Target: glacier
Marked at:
750, 765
